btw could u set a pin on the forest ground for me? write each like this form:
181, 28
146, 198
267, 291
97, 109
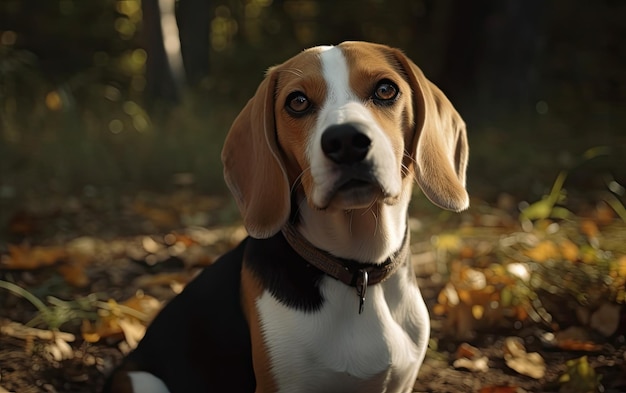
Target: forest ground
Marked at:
97, 270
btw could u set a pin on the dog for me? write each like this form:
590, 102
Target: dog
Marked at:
321, 297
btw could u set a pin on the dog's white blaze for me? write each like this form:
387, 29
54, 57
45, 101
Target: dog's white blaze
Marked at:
334, 348
360, 235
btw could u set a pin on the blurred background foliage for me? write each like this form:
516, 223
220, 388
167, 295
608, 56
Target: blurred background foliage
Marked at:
116, 96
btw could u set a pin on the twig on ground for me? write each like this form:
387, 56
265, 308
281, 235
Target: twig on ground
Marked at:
17, 330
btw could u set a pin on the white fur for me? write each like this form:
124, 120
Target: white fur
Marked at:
144, 382
336, 349
360, 234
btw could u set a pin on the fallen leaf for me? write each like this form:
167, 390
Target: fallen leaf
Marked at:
448, 242
122, 319
574, 338
448, 295
133, 331
25, 257
544, 251
480, 364
575, 345
466, 350
143, 303
569, 250
478, 311
516, 357
579, 377
470, 358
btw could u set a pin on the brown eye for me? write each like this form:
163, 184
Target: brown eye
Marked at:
297, 103
386, 92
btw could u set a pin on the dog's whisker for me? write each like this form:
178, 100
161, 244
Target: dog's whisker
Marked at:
405, 168
298, 181
350, 222
371, 209
375, 221
299, 206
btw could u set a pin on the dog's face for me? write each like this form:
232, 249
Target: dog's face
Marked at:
344, 127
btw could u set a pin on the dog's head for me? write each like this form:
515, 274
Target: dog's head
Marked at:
345, 127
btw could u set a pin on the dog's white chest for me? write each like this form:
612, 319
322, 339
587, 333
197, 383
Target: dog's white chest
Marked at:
336, 349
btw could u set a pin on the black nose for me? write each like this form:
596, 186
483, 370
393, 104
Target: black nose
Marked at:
345, 144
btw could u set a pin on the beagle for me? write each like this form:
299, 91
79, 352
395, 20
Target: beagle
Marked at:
321, 297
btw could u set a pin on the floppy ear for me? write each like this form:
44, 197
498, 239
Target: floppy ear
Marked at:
439, 142
253, 169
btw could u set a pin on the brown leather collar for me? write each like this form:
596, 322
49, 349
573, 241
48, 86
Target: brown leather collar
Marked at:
356, 274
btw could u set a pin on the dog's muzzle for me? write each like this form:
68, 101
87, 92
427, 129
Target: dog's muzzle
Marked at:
348, 148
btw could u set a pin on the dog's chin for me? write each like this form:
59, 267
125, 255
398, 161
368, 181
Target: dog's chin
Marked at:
354, 194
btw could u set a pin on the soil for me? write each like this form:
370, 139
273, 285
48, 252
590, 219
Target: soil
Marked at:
123, 257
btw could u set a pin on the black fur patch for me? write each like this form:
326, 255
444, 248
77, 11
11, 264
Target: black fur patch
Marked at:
285, 274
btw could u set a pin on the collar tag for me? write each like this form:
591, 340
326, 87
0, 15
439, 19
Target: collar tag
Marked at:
361, 287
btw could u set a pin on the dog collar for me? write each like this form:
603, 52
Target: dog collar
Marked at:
353, 273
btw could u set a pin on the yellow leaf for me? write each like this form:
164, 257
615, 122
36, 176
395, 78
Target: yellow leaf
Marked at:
580, 377
569, 250
439, 309
448, 242
465, 296
448, 295
478, 311
543, 251
122, 319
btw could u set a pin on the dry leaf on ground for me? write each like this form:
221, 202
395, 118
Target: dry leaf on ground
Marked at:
25, 257
470, 358
516, 357
128, 319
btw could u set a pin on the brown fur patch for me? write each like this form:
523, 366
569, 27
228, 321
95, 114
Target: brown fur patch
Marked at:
251, 290
299, 74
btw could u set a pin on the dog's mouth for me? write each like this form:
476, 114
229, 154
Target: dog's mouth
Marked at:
354, 183
355, 192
